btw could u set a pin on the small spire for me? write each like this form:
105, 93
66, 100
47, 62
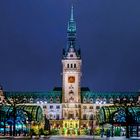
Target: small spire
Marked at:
71, 17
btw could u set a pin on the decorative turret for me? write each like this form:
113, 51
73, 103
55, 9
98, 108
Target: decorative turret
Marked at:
1, 88
2, 98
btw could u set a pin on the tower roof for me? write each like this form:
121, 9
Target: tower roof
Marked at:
71, 49
72, 23
71, 17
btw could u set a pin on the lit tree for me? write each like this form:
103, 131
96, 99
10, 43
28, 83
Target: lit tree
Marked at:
126, 103
13, 101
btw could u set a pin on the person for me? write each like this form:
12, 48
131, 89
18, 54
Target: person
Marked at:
102, 133
108, 133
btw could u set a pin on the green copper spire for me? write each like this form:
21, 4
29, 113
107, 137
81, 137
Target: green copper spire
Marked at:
71, 18
71, 31
71, 36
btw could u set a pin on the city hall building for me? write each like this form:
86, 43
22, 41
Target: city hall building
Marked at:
71, 107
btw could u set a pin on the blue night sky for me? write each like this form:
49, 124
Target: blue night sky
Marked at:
33, 34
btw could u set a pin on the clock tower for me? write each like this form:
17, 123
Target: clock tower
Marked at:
71, 75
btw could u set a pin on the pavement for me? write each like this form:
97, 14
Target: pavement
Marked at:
69, 138
91, 138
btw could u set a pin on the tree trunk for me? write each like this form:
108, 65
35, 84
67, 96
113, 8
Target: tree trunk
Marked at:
4, 126
14, 117
127, 122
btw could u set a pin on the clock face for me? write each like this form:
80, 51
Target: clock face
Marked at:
71, 79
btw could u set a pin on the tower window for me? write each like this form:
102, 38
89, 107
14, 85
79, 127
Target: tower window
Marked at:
71, 99
67, 65
71, 92
71, 66
71, 55
74, 65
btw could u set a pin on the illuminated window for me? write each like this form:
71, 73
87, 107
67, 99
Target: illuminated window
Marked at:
97, 107
84, 107
91, 107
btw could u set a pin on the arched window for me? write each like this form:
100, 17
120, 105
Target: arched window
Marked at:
91, 117
76, 113
51, 116
84, 107
71, 99
58, 100
31, 100
91, 100
57, 116
74, 65
118, 99
84, 100
67, 65
91, 107
71, 92
84, 117
71, 55
111, 100
65, 114
131, 99
104, 101
71, 66
51, 100
97, 100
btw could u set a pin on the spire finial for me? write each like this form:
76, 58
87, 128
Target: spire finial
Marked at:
71, 18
